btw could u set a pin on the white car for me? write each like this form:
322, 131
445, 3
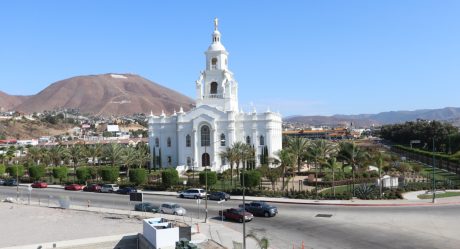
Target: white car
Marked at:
193, 193
172, 208
109, 188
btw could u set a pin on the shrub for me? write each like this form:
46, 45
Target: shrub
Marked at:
15, 170
2, 169
60, 172
212, 178
138, 176
251, 178
83, 173
366, 192
169, 177
37, 172
110, 174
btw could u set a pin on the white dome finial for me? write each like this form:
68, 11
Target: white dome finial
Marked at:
216, 23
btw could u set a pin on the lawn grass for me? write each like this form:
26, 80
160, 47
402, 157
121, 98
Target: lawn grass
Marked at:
338, 189
447, 194
440, 175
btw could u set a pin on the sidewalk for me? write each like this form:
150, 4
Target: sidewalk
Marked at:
201, 232
410, 199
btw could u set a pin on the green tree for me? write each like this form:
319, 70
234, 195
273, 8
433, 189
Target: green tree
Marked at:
113, 152
2, 169
231, 156
129, 157
251, 178
60, 172
332, 164
16, 170
83, 173
286, 160
272, 174
110, 174
298, 146
169, 177
37, 172
138, 176
212, 178
352, 155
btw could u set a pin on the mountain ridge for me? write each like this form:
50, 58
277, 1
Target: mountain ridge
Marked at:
103, 95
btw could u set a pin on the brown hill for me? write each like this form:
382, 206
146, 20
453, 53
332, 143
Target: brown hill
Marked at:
107, 94
8, 102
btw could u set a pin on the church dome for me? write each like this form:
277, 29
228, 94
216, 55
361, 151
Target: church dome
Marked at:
217, 46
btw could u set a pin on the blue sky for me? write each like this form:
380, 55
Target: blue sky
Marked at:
298, 57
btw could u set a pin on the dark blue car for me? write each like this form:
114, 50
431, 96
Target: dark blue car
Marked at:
11, 182
126, 190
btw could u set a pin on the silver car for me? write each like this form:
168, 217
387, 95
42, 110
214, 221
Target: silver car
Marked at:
109, 188
172, 208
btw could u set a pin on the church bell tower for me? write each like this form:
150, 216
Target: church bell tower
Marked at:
216, 86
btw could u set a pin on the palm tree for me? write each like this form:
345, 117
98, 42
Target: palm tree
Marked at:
34, 154
286, 159
332, 164
94, 152
353, 155
231, 157
76, 155
319, 150
113, 153
238, 151
129, 157
143, 155
57, 154
298, 147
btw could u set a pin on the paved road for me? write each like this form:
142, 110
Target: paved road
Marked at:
348, 227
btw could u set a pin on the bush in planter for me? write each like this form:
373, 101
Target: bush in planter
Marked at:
15, 170
110, 174
251, 178
60, 172
2, 169
365, 191
169, 177
212, 178
138, 176
83, 174
37, 172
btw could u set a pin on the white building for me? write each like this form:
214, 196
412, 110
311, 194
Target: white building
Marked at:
195, 139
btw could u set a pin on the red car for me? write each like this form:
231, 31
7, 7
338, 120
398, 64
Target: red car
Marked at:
39, 185
236, 214
92, 188
73, 187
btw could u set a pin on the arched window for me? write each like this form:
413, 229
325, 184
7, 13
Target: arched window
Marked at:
213, 88
214, 63
223, 160
189, 161
205, 135
169, 160
157, 142
168, 142
248, 140
188, 141
222, 139
205, 160
262, 140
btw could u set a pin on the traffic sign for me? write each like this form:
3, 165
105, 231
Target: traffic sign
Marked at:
136, 197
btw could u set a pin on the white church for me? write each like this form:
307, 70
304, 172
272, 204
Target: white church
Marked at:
194, 139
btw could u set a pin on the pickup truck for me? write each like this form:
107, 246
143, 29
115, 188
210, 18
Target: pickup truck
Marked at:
261, 208
236, 214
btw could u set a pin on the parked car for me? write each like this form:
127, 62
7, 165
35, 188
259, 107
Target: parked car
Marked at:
237, 214
39, 185
261, 208
109, 188
10, 182
219, 196
2, 181
92, 188
126, 190
74, 187
193, 193
172, 208
146, 207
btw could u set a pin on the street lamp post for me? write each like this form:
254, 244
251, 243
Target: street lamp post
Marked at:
434, 180
206, 180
